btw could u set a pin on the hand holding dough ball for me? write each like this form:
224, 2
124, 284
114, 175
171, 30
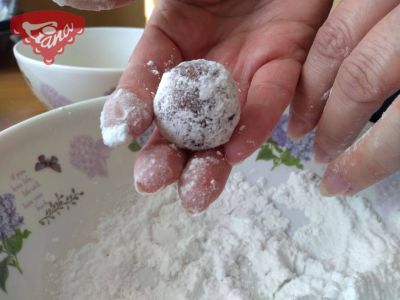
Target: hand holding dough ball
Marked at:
197, 105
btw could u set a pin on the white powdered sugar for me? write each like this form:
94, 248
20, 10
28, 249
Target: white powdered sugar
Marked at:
197, 105
242, 247
114, 135
122, 113
151, 65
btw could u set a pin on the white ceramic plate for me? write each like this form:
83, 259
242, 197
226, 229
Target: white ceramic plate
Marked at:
49, 205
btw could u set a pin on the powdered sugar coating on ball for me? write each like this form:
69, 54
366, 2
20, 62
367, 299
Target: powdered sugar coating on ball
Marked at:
197, 105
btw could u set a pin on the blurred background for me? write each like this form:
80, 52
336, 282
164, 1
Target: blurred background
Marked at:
131, 15
17, 101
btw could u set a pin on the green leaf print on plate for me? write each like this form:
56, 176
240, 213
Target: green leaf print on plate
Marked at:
62, 201
134, 146
279, 156
11, 246
281, 150
11, 237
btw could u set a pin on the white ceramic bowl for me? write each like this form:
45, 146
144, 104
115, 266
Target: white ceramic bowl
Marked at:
89, 68
61, 153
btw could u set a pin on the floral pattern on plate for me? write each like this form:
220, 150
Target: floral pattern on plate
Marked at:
62, 201
281, 150
53, 97
51, 163
89, 156
12, 237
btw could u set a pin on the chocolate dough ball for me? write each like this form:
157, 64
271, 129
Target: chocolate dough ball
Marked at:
197, 105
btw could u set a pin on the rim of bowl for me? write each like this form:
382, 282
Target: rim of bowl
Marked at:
44, 117
20, 56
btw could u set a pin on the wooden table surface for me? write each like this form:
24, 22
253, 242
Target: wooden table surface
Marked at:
17, 101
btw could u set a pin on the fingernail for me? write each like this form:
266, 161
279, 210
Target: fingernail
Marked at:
334, 184
202, 181
297, 128
156, 167
194, 189
320, 155
124, 115
145, 176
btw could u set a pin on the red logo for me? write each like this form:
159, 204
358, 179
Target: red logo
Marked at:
48, 31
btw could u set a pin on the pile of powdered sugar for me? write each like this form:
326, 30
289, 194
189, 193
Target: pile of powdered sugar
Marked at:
239, 248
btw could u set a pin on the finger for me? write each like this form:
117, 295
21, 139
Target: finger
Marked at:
158, 165
128, 111
342, 31
203, 180
271, 90
93, 5
375, 156
367, 77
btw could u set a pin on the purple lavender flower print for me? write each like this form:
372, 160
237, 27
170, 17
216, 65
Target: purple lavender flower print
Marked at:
53, 97
10, 221
89, 156
301, 149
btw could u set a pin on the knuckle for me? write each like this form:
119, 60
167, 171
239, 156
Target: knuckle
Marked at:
377, 167
333, 39
281, 90
360, 78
